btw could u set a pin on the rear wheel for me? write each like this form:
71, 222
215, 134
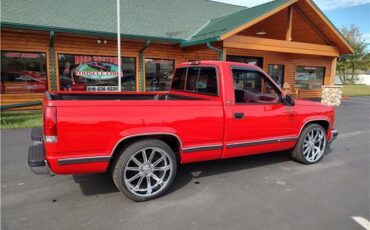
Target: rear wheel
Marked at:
311, 145
145, 169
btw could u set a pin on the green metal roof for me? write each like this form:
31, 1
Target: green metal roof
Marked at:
218, 26
169, 20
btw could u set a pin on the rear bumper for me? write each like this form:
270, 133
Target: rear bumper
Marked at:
36, 153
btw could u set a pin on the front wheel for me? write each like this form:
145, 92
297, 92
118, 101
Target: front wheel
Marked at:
311, 145
145, 169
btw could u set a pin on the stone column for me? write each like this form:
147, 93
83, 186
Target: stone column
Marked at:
331, 95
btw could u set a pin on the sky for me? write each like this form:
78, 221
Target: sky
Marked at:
340, 12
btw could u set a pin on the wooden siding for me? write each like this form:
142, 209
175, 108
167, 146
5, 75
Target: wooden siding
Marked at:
274, 26
71, 44
290, 61
22, 40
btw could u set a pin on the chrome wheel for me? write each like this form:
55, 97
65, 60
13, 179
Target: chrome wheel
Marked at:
314, 145
148, 171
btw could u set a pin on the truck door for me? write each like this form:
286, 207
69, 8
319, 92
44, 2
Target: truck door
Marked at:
257, 120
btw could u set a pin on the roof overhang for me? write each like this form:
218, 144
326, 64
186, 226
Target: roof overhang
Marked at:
350, 49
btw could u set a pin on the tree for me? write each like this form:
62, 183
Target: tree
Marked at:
349, 66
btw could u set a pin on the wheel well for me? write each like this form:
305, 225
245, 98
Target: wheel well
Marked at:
323, 123
171, 140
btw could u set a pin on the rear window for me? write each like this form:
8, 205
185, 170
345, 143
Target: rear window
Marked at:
179, 77
196, 79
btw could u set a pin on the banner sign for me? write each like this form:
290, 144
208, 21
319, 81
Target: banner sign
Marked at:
79, 59
21, 55
97, 71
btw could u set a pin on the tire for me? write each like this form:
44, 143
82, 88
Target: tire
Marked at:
308, 149
133, 172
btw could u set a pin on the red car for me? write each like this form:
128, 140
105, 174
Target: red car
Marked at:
214, 110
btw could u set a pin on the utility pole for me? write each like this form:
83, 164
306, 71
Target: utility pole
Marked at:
119, 45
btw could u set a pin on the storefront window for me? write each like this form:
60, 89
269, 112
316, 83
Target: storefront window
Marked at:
277, 73
309, 77
95, 73
23, 72
158, 74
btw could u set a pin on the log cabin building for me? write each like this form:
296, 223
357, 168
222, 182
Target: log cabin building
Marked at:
71, 45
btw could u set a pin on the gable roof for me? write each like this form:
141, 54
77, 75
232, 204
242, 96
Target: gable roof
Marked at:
215, 28
189, 22
172, 20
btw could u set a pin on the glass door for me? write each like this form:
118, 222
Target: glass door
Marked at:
277, 73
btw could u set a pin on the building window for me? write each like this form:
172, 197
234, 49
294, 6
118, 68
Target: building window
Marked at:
23, 72
158, 74
95, 73
277, 73
309, 77
258, 61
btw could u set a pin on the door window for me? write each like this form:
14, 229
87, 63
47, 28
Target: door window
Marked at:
251, 86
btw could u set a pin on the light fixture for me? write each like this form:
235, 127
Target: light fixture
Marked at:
100, 41
261, 32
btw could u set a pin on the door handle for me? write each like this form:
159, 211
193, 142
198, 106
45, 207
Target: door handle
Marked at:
239, 115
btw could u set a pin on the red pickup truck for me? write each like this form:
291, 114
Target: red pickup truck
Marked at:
213, 110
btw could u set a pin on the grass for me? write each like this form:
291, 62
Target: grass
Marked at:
20, 119
356, 90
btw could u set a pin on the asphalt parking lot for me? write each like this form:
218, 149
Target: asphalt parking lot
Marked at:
260, 192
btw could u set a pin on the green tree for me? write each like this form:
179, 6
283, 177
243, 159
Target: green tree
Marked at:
349, 66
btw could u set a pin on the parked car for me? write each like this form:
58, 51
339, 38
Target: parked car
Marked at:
209, 113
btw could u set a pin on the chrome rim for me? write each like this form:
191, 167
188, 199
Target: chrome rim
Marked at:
148, 171
314, 145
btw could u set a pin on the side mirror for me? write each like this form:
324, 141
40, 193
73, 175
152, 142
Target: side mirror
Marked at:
288, 100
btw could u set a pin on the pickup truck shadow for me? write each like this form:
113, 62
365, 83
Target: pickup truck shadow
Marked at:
190, 172
99, 184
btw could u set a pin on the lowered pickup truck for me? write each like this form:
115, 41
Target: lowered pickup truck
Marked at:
213, 110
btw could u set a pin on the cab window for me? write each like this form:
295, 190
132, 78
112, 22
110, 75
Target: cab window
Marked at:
196, 79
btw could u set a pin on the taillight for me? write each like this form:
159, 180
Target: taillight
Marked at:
50, 124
